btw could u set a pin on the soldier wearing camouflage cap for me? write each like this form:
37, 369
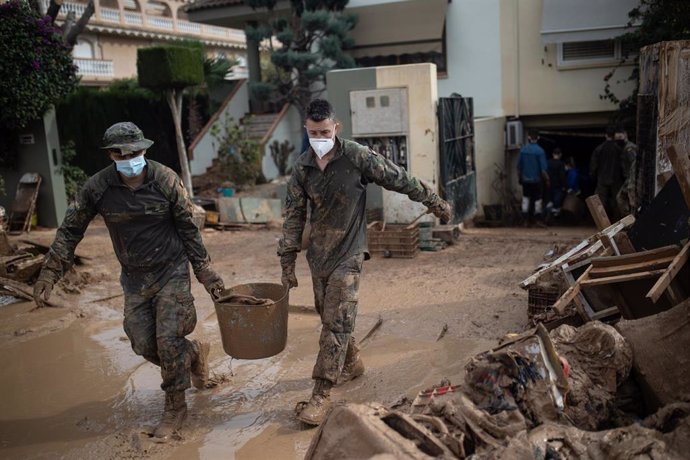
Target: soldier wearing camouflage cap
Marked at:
330, 179
149, 217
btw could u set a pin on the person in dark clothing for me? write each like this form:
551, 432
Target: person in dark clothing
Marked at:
532, 173
331, 178
148, 214
606, 167
557, 177
572, 177
627, 195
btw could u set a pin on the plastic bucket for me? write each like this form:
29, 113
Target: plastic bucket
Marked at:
254, 331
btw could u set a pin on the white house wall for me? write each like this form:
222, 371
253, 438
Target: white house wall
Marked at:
206, 150
289, 128
489, 151
473, 44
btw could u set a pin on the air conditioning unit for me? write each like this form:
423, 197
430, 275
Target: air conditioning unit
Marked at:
514, 134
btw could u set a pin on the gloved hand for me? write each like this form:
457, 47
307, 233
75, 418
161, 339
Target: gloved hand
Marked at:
212, 281
43, 287
287, 263
442, 210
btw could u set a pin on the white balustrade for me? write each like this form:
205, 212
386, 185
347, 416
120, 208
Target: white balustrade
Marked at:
217, 31
189, 27
160, 23
94, 67
133, 19
110, 14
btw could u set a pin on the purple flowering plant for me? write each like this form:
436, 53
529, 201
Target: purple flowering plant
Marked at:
36, 67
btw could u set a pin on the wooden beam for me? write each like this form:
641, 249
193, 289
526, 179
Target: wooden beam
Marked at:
596, 209
678, 154
665, 281
572, 292
638, 257
604, 313
622, 278
657, 264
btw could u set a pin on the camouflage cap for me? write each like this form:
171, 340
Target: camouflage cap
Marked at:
125, 136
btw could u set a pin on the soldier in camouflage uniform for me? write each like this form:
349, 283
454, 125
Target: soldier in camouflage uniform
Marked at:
149, 217
331, 178
627, 195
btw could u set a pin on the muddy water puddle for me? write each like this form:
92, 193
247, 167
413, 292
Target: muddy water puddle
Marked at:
56, 389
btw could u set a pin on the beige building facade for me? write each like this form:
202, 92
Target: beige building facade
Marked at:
107, 49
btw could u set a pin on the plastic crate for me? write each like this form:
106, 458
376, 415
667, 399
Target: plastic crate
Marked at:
399, 241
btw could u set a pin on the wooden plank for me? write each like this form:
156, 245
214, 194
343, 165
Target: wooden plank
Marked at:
604, 313
589, 244
622, 278
599, 272
624, 244
596, 209
570, 294
670, 273
678, 154
638, 257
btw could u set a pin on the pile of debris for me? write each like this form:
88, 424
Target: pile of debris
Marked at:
21, 264
540, 395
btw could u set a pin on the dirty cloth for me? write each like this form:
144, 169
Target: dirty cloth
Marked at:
661, 354
157, 324
664, 435
151, 228
336, 299
600, 361
337, 201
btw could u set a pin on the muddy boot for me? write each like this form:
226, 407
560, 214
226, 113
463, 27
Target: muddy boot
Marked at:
200, 351
174, 414
316, 409
353, 367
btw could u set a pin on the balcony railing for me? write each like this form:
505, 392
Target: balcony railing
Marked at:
94, 68
110, 14
132, 18
160, 23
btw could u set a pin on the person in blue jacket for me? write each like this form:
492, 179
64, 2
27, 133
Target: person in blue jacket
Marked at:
533, 175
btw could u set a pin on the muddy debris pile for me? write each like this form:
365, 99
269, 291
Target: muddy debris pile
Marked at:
571, 393
21, 264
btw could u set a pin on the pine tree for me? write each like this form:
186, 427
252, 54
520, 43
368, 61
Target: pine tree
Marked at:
313, 40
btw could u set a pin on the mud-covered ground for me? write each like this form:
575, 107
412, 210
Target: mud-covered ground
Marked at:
71, 387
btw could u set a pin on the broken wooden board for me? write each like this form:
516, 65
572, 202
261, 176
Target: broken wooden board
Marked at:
585, 246
664, 282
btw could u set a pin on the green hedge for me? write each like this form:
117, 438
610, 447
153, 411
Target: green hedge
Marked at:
84, 116
170, 66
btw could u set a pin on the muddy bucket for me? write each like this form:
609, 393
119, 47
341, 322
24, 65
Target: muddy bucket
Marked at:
253, 331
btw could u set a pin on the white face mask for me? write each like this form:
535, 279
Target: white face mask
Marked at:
321, 146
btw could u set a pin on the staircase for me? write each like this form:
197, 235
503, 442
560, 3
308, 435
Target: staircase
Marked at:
257, 126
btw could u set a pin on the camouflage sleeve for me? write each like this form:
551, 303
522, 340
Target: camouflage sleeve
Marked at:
182, 209
381, 171
60, 257
295, 218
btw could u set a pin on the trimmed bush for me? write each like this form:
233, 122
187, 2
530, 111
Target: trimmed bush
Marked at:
164, 67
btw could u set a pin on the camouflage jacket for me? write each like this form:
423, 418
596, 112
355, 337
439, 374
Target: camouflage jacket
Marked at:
337, 198
151, 227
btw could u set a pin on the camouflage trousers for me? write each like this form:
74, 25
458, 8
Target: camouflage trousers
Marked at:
157, 325
336, 299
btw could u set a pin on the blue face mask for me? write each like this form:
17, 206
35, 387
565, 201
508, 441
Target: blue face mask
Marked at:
132, 167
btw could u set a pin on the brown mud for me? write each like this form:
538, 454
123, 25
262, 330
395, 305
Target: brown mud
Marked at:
72, 387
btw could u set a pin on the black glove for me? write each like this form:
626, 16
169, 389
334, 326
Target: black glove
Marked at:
288, 278
44, 286
212, 281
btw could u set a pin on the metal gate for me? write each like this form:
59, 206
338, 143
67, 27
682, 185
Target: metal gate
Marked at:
456, 145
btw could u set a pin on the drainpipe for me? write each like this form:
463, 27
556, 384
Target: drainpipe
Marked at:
517, 60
